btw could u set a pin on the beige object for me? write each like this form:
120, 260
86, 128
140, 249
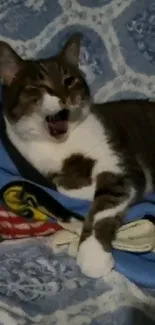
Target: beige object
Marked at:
137, 236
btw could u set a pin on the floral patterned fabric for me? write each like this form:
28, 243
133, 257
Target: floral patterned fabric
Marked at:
39, 285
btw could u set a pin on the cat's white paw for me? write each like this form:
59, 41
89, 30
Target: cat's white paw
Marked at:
93, 261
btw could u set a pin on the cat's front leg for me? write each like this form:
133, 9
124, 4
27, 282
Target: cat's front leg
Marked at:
114, 193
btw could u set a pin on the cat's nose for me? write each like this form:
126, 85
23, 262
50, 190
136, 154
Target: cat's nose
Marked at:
73, 101
62, 102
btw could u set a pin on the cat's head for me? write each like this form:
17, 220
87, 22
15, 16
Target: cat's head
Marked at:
44, 99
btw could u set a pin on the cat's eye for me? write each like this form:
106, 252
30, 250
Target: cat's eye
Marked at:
69, 81
32, 93
41, 76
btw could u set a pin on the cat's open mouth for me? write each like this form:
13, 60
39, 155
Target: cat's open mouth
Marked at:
58, 123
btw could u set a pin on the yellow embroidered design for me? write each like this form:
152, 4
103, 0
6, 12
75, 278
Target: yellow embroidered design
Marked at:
25, 204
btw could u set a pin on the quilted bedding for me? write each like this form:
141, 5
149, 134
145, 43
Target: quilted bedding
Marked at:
38, 284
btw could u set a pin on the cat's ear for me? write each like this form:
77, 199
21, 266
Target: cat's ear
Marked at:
71, 50
10, 63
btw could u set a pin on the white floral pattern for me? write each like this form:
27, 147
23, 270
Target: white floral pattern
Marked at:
38, 286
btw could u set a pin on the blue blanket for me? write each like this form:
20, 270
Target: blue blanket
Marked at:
37, 284
140, 267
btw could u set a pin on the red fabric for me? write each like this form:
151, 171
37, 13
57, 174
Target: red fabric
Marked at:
13, 226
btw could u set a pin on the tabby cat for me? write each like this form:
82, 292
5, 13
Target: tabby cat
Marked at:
101, 152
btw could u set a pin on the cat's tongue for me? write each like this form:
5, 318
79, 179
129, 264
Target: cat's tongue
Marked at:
58, 127
58, 124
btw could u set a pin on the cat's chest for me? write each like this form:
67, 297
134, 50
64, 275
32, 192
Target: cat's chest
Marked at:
88, 139
84, 155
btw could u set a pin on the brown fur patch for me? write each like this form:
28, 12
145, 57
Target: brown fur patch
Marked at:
87, 230
76, 172
105, 230
26, 89
111, 190
112, 184
130, 129
27, 80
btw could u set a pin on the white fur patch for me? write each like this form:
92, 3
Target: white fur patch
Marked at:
114, 211
31, 138
50, 104
84, 193
93, 261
